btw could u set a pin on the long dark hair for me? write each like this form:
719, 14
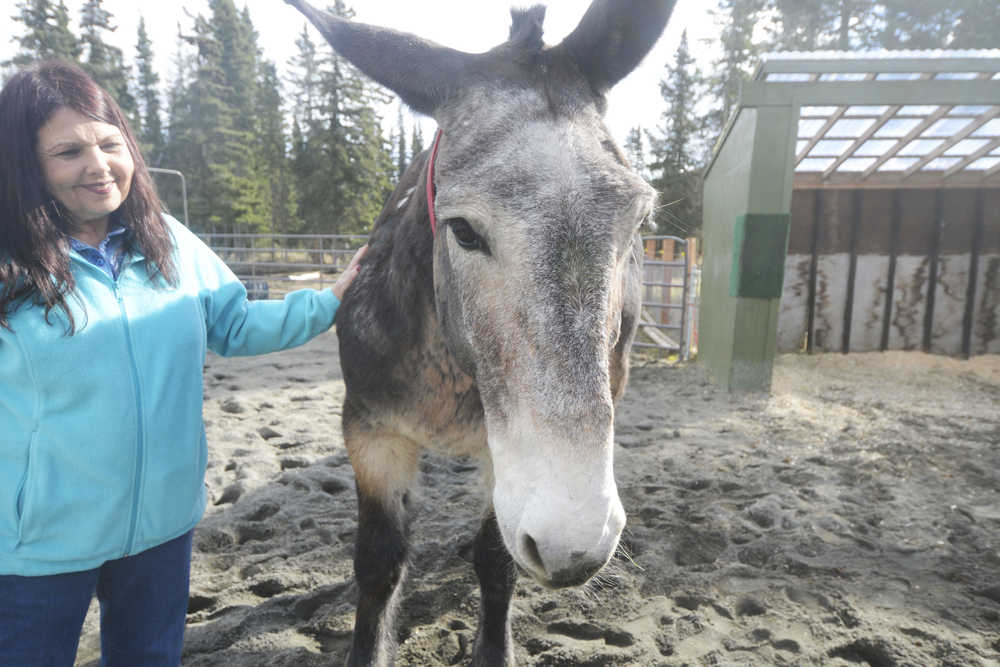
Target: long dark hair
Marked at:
34, 250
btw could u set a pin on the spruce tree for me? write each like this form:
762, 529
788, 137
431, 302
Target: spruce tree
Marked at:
199, 121
416, 141
178, 150
402, 157
148, 82
808, 25
738, 19
249, 188
676, 165
926, 24
635, 151
273, 167
46, 33
343, 164
304, 79
104, 62
978, 26
307, 148
212, 125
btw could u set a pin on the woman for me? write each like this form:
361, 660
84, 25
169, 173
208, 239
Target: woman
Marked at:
107, 307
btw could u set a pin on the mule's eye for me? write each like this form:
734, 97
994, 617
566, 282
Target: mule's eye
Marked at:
467, 238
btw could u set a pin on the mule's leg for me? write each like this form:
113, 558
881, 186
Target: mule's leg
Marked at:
384, 469
497, 576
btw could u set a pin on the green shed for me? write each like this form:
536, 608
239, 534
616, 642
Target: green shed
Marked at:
853, 204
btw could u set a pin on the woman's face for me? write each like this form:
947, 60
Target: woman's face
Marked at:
86, 164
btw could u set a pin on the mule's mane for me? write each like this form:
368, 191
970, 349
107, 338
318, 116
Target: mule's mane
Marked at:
526, 28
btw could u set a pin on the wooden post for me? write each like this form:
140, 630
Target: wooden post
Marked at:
970, 290
890, 287
852, 272
932, 274
813, 272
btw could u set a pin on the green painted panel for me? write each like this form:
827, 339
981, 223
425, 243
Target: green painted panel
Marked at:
759, 255
754, 345
773, 160
727, 190
747, 191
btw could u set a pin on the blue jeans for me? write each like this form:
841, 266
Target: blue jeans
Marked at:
143, 598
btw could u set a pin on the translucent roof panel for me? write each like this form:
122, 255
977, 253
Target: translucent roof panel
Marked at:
844, 76
808, 128
818, 111
830, 147
957, 76
985, 163
865, 111
855, 164
850, 127
941, 164
966, 110
898, 127
876, 147
947, 127
946, 131
989, 129
898, 76
899, 164
921, 147
789, 78
917, 110
967, 146
815, 164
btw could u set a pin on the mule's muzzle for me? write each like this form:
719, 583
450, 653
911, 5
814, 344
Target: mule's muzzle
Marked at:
580, 570
565, 549
575, 576
574, 571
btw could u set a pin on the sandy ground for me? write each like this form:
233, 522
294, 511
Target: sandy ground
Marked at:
850, 518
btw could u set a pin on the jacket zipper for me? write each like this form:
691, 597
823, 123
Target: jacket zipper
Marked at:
140, 440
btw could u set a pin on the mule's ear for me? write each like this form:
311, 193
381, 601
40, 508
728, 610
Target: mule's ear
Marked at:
614, 36
420, 72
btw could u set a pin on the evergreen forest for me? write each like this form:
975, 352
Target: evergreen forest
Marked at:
310, 152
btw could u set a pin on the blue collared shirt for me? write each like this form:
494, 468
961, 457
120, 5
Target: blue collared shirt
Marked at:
108, 255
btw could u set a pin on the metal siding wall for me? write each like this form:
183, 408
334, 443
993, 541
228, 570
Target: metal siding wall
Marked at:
908, 242
986, 315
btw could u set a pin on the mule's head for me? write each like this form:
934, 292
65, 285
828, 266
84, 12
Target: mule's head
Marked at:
536, 257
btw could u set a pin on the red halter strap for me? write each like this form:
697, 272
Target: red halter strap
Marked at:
431, 190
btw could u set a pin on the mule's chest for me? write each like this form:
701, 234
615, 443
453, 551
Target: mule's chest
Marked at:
442, 409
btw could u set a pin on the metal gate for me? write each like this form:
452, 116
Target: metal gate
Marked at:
670, 293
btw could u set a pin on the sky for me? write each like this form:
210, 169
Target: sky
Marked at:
468, 25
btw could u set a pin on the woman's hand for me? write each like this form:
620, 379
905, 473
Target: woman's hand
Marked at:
350, 273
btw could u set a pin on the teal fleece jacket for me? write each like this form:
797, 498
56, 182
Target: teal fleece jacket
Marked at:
102, 444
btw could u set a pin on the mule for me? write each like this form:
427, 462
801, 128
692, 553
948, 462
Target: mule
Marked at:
496, 305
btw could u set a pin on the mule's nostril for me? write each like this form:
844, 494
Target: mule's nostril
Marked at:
530, 552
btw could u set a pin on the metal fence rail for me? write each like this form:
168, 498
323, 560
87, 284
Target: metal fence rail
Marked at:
271, 265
